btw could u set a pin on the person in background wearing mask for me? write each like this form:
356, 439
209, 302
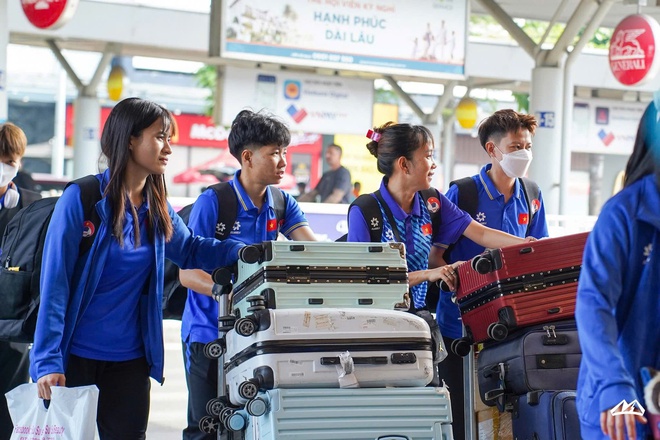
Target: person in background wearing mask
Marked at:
507, 138
14, 361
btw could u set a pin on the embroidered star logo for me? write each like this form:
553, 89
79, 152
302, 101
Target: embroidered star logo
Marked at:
647, 252
481, 217
374, 222
236, 227
389, 235
220, 228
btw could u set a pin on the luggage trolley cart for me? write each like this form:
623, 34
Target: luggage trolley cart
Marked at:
222, 417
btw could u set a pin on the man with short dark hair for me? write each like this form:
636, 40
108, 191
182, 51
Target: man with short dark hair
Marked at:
259, 141
506, 136
335, 185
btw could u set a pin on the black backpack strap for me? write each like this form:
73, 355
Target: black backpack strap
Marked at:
468, 195
27, 197
90, 195
278, 204
436, 216
468, 201
531, 191
368, 205
227, 209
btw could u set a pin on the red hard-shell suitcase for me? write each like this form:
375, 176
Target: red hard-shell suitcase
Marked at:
518, 286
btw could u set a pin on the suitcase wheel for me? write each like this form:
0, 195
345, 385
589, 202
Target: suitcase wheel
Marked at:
256, 407
245, 327
250, 254
235, 422
214, 407
208, 424
222, 276
461, 347
248, 389
225, 414
442, 285
257, 302
497, 331
226, 323
214, 349
482, 264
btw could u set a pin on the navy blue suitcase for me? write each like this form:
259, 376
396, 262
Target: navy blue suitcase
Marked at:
537, 358
546, 415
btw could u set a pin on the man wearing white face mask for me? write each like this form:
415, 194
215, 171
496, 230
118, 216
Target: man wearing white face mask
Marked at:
499, 200
14, 362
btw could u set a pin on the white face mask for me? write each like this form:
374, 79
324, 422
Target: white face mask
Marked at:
7, 173
517, 163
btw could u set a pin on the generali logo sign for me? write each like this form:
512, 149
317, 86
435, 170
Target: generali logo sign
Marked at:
633, 53
49, 14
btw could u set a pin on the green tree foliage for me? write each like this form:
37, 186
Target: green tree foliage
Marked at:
485, 27
522, 99
206, 79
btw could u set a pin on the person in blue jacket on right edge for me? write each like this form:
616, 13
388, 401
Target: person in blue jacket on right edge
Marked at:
618, 300
501, 204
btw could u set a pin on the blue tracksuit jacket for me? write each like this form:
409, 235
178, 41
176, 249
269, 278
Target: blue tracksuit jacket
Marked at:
618, 304
68, 280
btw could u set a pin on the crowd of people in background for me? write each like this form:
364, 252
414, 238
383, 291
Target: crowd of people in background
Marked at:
100, 321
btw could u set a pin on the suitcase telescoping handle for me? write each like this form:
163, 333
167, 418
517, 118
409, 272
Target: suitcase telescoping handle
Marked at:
396, 358
499, 370
371, 360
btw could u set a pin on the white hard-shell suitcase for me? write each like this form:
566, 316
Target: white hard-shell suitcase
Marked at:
321, 274
328, 348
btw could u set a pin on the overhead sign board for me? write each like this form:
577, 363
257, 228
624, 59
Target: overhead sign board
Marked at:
602, 126
381, 36
633, 54
306, 102
49, 14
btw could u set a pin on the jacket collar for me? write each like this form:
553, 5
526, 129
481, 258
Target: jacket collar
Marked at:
397, 211
244, 200
491, 189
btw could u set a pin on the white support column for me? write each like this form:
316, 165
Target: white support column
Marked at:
547, 104
4, 42
86, 136
87, 109
448, 151
57, 157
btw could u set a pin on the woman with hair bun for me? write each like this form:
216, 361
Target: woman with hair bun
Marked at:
405, 156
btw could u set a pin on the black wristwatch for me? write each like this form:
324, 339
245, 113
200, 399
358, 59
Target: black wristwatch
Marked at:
216, 290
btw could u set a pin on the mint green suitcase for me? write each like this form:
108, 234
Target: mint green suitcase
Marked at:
353, 414
299, 274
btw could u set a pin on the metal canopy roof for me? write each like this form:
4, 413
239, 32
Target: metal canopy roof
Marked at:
130, 29
546, 9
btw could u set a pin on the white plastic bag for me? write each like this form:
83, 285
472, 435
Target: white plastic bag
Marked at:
70, 416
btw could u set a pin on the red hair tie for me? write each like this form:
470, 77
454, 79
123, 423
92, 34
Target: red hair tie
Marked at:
373, 135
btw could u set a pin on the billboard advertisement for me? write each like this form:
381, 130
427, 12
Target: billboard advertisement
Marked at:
380, 36
306, 102
602, 126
